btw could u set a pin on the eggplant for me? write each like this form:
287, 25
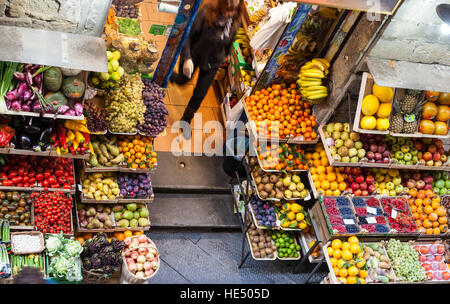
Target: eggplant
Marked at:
32, 129
25, 142
45, 136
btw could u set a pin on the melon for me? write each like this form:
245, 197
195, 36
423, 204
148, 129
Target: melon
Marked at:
443, 113
368, 123
384, 94
426, 126
384, 110
370, 105
441, 128
382, 124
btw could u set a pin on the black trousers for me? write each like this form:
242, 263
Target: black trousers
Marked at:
205, 78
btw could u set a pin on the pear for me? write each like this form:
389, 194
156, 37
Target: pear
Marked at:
295, 179
287, 181
330, 128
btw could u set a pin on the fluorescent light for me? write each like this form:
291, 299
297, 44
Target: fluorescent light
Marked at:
445, 29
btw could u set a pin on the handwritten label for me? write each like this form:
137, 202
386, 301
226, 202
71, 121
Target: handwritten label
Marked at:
394, 214
349, 222
371, 220
372, 210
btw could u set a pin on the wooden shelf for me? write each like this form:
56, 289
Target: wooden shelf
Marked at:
89, 169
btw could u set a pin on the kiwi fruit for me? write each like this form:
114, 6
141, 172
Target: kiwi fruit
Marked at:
261, 245
263, 253
269, 250
257, 254
256, 239
270, 256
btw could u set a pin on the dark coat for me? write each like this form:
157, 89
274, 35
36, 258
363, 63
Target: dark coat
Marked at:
204, 46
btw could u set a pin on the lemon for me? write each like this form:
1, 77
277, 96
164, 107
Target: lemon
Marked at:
341, 263
336, 271
370, 105
342, 280
384, 110
362, 281
336, 244
361, 263
337, 253
384, 94
333, 262
296, 208
382, 124
355, 249
286, 207
362, 274
330, 251
368, 123
291, 216
302, 225
343, 273
353, 240
299, 217
353, 271
347, 255
345, 246
351, 280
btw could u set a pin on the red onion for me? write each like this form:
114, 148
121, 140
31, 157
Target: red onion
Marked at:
78, 107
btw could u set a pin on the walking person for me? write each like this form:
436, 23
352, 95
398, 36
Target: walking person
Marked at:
207, 46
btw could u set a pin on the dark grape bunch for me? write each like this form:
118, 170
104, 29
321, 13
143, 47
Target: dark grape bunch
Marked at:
95, 117
156, 113
264, 212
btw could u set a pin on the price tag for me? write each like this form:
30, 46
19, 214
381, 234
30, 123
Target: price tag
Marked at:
349, 222
372, 210
79, 187
278, 223
371, 220
394, 214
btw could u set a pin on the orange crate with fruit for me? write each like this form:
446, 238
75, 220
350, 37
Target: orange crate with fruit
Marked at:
281, 157
279, 112
138, 152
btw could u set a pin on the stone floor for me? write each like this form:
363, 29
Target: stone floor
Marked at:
213, 258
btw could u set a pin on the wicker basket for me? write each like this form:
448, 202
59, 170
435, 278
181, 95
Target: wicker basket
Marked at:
128, 277
96, 276
32, 233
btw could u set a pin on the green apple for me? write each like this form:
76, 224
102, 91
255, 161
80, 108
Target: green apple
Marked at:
116, 55
109, 55
390, 186
397, 180
407, 156
392, 193
399, 189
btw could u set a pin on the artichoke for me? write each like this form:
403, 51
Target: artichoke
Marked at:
87, 263
96, 261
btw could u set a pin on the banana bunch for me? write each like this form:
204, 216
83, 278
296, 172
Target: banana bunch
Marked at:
310, 80
256, 17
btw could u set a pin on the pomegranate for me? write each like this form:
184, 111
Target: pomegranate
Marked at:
432, 96
426, 126
440, 128
443, 113
444, 99
429, 111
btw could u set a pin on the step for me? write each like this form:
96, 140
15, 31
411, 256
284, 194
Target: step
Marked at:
193, 210
190, 173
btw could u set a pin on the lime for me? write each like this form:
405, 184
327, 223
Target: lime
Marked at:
281, 255
297, 247
109, 55
116, 55
292, 246
104, 76
274, 237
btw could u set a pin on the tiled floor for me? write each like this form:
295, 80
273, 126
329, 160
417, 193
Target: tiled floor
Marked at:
178, 96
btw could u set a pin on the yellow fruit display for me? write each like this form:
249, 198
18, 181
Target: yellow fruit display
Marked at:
384, 94
347, 255
368, 122
370, 105
353, 240
336, 244
382, 124
349, 267
384, 110
355, 249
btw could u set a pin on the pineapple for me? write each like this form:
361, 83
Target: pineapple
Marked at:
411, 121
409, 102
396, 124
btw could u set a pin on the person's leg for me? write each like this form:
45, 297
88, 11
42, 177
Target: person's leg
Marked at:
205, 78
179, 77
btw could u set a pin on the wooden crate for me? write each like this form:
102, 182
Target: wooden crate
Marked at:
366, 89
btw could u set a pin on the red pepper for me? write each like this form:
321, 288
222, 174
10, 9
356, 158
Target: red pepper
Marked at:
87, 137
62, 136
7, 183
6, 134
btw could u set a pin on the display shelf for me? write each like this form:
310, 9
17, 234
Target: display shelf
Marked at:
37, 189
270, 170
253, 255
89, 169
365, 164
144, 200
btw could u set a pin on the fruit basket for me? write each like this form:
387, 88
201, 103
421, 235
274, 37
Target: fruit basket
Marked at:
432, 259
260, 244
288, 244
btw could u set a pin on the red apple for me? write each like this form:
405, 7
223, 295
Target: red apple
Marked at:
427, 156
432, 148
363, 186
436, 156
354, 186
370, 179
428, 187
364, 193
359, 179
357, 193
371, 188
418, 145
411, 183
356, 171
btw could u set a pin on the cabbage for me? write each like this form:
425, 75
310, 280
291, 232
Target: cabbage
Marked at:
53, 244
73, 248
59, 267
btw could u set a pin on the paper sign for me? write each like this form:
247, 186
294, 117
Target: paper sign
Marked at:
349, 222
372, 210
371, 220
168, 30
394, 214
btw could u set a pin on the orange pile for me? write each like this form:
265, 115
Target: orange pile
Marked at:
279, 112
327, 179
282, 157
138, 152
428, 212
